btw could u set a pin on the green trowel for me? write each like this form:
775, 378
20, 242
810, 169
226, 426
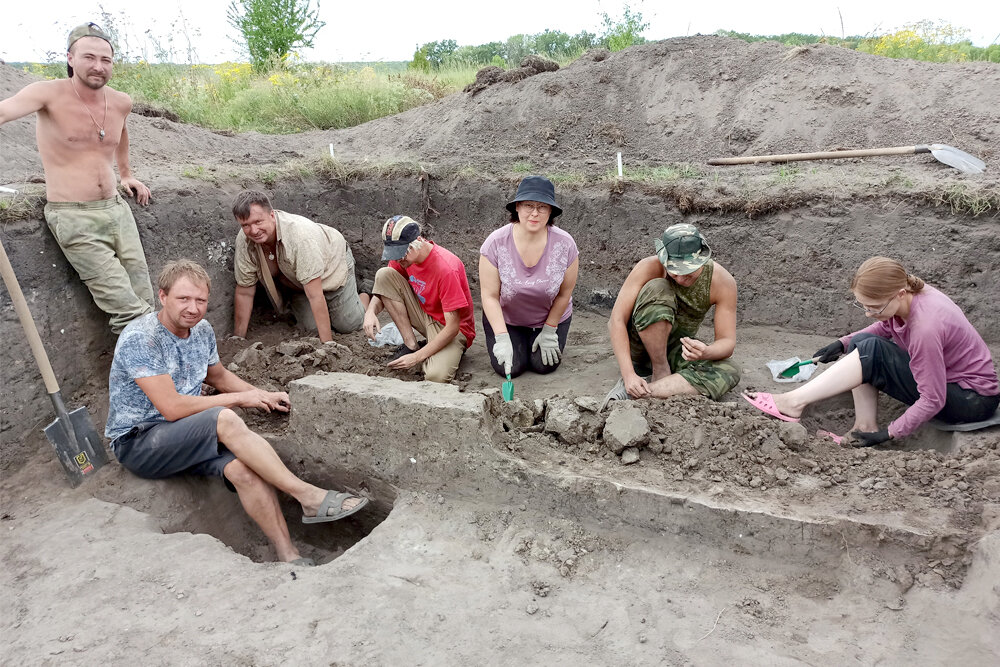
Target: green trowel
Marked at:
793, 370
507, 389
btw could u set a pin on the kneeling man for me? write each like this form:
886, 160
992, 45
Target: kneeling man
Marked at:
657, 314
310, 259
424, 288
160, 425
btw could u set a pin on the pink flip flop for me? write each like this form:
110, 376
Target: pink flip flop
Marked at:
833, 436
765, 403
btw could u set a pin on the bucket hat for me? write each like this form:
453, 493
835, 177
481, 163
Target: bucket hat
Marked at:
682, 249
535, 188
398, 233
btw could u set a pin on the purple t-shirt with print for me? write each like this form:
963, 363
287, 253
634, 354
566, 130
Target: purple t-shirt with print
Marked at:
527, 293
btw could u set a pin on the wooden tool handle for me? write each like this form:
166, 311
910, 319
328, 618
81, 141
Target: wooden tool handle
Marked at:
825, 155
30, 332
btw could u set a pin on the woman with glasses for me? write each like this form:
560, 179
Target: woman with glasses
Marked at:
921, 350
527, 272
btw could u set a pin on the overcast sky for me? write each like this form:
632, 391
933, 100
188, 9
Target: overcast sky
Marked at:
391, 29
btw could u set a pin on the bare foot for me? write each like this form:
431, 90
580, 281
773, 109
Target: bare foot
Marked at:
786, 406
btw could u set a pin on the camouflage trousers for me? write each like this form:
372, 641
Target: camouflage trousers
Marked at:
657, 302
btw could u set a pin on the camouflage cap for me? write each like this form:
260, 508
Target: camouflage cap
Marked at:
87, 30
682, 249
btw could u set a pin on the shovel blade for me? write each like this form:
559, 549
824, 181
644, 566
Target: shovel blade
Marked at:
78, 447
960, 160
507, 389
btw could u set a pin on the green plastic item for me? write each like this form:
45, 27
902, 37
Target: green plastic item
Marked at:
793, 370
507, 388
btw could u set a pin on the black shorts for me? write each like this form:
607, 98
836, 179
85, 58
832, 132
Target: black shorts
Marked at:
155, 450
886, 366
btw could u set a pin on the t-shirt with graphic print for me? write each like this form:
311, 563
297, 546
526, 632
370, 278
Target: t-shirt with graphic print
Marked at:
146, 348
441, 286
527, 293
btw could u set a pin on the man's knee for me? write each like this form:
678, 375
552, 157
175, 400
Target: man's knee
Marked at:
439, 374
241, 476
229, 423
387, 283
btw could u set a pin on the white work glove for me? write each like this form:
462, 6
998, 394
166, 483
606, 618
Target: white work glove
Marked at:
504, 351
548, 341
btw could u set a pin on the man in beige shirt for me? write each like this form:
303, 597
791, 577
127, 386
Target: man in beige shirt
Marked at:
81, 134
310, 260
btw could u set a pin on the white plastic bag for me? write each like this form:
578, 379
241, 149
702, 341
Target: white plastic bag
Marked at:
388, 335
805, 372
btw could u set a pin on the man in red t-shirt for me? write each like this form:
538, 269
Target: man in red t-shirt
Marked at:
424, 288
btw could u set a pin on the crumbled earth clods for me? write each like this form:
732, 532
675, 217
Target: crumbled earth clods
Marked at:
700, 444
530, 66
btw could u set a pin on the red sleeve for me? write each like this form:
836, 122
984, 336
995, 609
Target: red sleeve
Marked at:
393, 264
452, 294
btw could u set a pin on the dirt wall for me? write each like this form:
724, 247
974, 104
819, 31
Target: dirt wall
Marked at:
792, 267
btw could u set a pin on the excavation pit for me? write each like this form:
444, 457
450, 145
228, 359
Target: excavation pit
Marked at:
508, 539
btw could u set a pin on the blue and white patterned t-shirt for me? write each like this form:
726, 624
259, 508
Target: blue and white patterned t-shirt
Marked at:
145, 349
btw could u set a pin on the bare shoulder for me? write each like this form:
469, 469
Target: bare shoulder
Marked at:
46, 91
119, 99
648, 268
723, 283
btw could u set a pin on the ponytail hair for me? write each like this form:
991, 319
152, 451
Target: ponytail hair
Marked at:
881, 277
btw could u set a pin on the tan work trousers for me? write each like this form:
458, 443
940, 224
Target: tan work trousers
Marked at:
101, 241
390, 284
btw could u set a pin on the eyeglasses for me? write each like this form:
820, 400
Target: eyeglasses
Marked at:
541, 208
871, 311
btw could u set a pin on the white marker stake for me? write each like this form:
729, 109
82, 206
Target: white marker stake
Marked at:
619, 164
331, 150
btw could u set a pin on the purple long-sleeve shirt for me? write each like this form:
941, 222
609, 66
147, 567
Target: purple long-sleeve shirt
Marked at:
943, 347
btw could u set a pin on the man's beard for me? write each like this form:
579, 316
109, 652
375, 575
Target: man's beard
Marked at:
89, 84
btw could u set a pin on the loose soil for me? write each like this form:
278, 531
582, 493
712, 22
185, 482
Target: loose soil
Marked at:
122, 569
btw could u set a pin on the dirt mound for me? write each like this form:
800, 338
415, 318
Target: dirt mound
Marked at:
690, 99
677, 100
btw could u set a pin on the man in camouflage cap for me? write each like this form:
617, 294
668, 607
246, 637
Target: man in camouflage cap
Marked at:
82, 135
656, 318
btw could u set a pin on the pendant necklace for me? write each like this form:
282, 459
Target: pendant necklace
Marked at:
100, 128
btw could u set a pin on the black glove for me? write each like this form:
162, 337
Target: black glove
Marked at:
829, 353
862, 439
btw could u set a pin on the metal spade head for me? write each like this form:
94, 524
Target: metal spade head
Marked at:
960, 160
507, 389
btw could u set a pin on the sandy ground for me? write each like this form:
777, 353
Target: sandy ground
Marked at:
732, 538
453, 577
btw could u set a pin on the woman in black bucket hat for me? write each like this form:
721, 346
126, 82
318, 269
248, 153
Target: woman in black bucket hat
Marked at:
527, 272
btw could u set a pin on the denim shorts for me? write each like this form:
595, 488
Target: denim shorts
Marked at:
155, 450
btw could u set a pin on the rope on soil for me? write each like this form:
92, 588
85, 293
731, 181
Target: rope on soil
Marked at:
714, 626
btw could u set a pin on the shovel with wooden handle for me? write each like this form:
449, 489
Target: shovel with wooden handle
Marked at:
78, 447
950, 156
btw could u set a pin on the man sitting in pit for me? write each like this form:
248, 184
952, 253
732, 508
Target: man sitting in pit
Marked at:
424, 288
161, 425
311, 260
657, 314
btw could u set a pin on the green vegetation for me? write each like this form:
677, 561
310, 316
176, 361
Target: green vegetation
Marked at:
624, 31
925, 40
277, 93
294, 98
659, 174
271, 29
